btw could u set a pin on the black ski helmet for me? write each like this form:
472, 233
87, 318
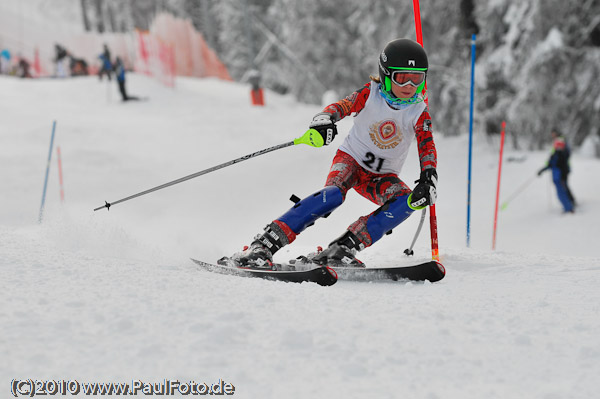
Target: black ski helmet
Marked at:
401, 54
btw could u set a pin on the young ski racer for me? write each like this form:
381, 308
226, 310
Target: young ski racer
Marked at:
389, 112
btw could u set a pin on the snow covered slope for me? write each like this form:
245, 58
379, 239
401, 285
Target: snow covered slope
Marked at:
113, 297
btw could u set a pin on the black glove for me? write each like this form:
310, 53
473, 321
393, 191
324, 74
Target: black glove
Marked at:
425, 192
323, 124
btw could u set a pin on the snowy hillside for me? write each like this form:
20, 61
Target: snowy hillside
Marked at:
113, 297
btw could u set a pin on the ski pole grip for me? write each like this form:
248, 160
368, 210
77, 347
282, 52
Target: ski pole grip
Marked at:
312, 138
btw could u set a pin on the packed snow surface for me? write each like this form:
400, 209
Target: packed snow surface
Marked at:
111, 296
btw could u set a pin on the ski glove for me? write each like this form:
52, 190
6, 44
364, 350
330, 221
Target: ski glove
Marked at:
323, 124
425, 192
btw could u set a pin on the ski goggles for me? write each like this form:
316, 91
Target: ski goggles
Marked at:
403, 78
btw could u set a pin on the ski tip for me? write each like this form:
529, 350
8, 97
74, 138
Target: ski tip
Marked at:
441, 267
330, 277
442, 271
332, 272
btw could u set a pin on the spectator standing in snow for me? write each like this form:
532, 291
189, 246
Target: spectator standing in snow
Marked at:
390, 111
61, 59
105, 64
120, 74
23, 68
559, 164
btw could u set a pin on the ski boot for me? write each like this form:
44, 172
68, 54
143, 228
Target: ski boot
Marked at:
256, 256
340, 252
259, 255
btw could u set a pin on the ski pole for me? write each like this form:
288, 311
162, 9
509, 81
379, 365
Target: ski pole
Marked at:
517, 192
311, 137
409, 251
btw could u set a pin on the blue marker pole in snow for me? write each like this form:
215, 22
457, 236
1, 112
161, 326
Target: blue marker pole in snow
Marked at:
47, 172
470, 141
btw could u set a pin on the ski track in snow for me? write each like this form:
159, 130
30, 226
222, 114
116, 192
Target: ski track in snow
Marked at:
112, 296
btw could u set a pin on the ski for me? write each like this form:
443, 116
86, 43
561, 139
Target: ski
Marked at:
289, 273
431, 271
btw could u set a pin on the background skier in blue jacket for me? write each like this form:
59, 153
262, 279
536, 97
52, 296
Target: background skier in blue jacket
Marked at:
106, 66
120, 74
559, 164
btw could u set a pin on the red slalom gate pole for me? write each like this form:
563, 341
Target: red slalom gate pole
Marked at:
435, 254
417, 13
498, 185
419, 32
60, 175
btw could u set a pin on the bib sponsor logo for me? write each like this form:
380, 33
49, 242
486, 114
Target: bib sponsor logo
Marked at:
385, 135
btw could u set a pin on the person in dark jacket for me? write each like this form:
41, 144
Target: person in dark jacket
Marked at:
559, 164
106, 64
60, 60
120, 74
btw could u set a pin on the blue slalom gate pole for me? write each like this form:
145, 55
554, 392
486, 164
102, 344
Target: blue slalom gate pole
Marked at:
473, 39
47, 173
